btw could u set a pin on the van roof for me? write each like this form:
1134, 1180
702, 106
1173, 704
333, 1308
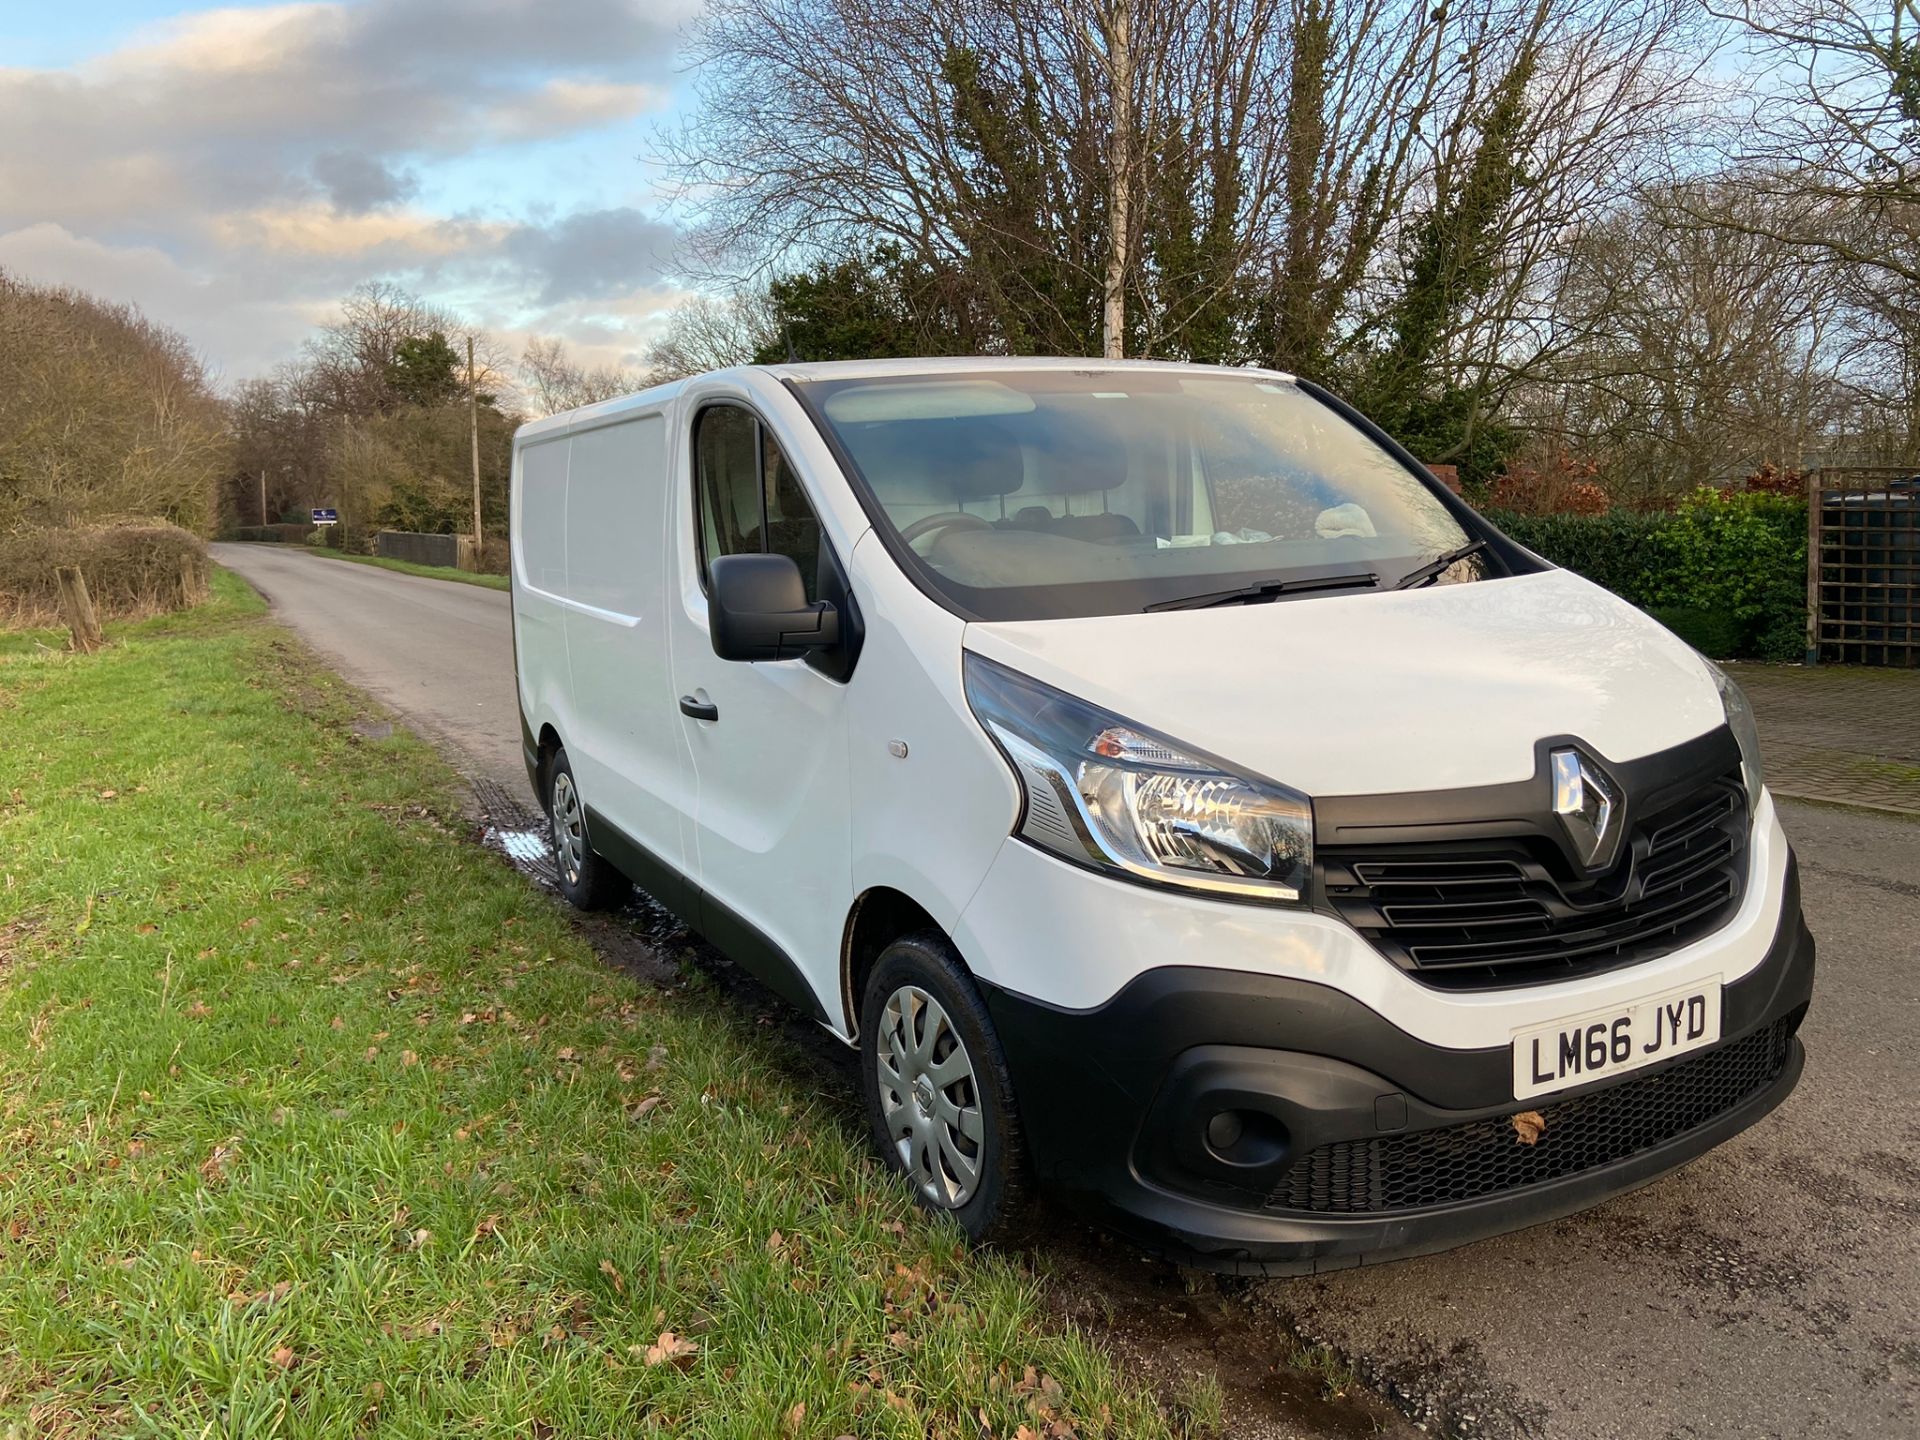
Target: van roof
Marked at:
805, 370
809, 370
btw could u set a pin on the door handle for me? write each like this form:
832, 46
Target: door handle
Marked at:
699, 709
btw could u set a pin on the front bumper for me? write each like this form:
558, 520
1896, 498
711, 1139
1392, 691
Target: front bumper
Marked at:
1116, 1101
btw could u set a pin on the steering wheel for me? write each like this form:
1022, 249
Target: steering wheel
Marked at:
946, 519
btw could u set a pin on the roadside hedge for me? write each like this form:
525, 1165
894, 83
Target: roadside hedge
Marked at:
132, 569
1726, 570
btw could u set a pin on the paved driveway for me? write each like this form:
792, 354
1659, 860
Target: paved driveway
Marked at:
1771, 1289
1840, 732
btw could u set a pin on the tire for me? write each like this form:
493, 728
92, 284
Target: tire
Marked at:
923, 1109
586, 880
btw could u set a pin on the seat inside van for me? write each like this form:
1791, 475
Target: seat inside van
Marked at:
1015, 472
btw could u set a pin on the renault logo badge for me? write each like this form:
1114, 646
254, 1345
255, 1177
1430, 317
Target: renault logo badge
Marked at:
1585, 800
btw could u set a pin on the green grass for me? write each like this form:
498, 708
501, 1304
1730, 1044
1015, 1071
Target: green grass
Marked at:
407, 567
316, 1119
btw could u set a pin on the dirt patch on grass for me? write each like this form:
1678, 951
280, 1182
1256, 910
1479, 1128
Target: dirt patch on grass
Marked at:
1205, 1348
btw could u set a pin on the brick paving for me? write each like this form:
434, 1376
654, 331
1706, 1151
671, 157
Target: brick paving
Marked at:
1847, 734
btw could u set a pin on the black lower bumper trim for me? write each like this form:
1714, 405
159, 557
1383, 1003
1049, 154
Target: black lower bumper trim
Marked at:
1116, 1101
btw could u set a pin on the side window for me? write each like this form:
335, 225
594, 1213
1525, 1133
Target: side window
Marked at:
727, 497
792, 528
747, 498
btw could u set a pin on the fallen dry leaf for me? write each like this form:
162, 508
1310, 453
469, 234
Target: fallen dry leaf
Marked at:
608, 1269
1529, 1126
283, 1357
671, 1349
213, 1169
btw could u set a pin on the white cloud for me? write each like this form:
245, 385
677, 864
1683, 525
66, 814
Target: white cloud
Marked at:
562, 106
239, 327
232, 170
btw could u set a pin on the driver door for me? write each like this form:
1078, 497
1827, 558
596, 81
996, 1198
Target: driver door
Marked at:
771, 849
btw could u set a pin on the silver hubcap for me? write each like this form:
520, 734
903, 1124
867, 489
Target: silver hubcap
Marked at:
929, 1098
569, 829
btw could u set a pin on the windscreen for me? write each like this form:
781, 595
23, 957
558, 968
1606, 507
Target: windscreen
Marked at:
1050, 493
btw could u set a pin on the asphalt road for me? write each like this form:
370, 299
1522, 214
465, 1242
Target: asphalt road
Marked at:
440, 653
1770, 1289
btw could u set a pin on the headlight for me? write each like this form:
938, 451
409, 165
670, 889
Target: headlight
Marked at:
1104, 792
1739, 712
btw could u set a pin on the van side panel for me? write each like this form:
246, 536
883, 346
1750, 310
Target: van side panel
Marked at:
540, 572
625, 730
928, 823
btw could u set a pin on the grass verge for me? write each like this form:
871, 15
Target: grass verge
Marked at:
407, 567
315, 1118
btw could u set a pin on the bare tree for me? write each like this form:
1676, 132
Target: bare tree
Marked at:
554, 381
711, 333
103, 414
1219, 179
1832, 138
1704, 351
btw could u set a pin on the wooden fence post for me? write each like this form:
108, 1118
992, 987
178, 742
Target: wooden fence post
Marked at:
1815, 485
192, 591
79, 607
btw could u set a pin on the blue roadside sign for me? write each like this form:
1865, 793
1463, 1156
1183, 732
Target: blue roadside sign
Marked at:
328, 516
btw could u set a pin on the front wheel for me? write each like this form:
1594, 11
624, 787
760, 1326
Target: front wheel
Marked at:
939, 1099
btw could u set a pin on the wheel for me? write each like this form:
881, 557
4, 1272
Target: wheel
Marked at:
587, 881
939, 1100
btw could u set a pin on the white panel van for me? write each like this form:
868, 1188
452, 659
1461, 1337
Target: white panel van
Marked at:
1181, 800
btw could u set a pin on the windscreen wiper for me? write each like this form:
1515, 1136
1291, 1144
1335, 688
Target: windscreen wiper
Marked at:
1271, 590
1438, 566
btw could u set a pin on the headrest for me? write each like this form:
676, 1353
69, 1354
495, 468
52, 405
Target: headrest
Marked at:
974, 459
1074, 459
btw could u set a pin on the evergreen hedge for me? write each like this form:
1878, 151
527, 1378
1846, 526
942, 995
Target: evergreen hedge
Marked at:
1726, 570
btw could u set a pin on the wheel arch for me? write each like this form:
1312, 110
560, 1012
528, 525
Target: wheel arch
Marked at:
546, 745
879, 916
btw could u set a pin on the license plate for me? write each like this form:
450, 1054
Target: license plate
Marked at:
1611, 1042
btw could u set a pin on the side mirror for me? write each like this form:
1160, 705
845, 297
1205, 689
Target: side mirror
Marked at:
757, 610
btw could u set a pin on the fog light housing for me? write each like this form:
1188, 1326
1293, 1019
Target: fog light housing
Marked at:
1224, 1131
1246, 1138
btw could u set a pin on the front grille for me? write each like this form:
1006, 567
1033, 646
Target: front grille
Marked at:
1485, 1157
1471, 914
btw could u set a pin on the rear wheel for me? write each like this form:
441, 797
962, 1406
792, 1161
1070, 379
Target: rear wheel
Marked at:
939, 1099
587, 881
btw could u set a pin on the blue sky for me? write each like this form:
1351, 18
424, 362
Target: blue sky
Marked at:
235, 169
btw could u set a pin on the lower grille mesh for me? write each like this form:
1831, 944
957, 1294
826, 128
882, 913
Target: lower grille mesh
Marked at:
1483, 1157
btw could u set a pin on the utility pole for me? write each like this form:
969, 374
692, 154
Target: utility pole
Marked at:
263, 497
473, 426
1116, 25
